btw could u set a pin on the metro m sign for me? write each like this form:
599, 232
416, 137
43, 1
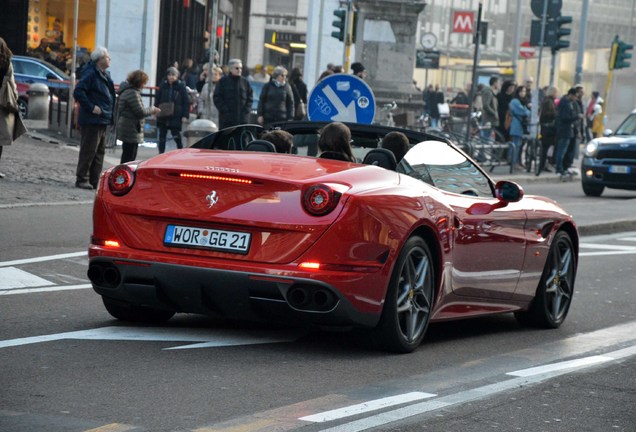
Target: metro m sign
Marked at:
463, 21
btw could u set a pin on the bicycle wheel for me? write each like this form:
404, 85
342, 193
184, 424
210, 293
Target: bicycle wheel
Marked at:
537, 156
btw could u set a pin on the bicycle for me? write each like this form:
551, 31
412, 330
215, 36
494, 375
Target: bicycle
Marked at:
531, 154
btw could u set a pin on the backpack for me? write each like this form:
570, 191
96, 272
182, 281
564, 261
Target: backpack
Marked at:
508, 120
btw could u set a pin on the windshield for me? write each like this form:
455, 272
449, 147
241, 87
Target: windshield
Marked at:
628, 127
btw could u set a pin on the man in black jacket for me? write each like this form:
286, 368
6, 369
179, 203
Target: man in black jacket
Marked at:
95, 93
566, 116
233, 96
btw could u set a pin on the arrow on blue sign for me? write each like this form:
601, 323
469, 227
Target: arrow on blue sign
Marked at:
341, 97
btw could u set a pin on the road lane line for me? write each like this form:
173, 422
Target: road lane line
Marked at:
570, 364
366, 407
606, 246
113, 427
462, 397
42, 259
44, 289
13, 278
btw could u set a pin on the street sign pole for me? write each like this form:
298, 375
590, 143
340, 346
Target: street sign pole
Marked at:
535, 94
348, 38
473, 85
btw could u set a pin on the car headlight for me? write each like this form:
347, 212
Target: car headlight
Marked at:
591, 148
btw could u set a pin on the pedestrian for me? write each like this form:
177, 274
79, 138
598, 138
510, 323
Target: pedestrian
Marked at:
325, 74
504, 97
335, 142
173, 101
520, 116
206, 107
233, 96
282, 140
190, 73
131, 114
299, 89
547, 120
11, 126
427, 97
277, 99
490, 108
436, 100
566, 118
95, 93
397, 143
260, 75
598, 122
359, 70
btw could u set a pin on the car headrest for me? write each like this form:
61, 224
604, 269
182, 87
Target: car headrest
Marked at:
260, 146
381, 157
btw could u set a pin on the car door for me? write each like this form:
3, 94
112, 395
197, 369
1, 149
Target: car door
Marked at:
488, 247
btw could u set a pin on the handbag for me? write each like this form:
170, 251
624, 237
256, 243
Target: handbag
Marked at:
8, 98
301, 111
167, 109
443, 108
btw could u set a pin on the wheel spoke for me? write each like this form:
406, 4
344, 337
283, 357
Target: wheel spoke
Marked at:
413, 301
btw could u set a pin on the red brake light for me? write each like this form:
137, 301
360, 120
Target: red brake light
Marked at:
121, 180
319, 200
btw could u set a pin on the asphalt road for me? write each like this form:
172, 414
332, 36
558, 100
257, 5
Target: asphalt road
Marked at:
68, 366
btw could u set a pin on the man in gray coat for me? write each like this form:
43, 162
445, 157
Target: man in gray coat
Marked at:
490, 108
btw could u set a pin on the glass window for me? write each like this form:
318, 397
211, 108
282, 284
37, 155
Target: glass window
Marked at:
628, 127
442, 166
34, 69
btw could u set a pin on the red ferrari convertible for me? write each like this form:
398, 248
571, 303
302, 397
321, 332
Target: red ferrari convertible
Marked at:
217, 230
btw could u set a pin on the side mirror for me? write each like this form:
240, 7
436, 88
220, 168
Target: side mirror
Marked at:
508, 191
607, 132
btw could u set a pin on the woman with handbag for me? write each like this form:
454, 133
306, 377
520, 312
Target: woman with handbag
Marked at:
173, 101
547, 119
11, 126
520, 114
131, 114
299, 89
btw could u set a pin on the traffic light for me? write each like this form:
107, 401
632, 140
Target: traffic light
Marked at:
339, 24
561, 32
622, 55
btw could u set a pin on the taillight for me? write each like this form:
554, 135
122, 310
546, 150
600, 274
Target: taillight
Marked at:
121, 180
320, 199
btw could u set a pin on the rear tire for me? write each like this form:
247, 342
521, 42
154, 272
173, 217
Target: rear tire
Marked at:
127, 312
409, 299
554, 294
23, 108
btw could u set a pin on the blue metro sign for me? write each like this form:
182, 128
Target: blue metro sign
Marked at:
341, 97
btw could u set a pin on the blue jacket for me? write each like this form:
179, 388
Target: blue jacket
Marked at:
518, 112
95, 88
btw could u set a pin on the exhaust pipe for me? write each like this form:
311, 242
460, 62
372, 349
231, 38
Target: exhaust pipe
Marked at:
311, 298
299, 297
104, 275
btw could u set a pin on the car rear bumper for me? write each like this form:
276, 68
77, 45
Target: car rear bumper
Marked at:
597, 172
225, 293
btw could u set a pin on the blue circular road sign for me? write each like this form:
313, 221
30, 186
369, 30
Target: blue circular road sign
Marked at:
341, 97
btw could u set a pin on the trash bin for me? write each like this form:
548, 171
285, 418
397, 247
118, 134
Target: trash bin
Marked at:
198, 129
38, 112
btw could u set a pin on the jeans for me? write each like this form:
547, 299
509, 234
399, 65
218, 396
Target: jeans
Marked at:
91, 154
128, 152
516, 150
175, 131
563, 145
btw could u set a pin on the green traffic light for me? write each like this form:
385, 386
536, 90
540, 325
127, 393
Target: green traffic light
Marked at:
622, 55
562, 32
339, 24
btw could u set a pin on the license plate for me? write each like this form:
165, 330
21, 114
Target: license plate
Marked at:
220, 240
619, 169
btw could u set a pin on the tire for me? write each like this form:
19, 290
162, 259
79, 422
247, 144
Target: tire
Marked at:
592, 190
409, 299
127, 312
23, 108
554, 294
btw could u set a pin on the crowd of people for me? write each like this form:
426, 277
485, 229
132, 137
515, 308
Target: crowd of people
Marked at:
506, 107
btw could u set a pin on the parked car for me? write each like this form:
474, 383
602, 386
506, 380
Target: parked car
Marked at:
30, 70
23, 99
217, 230
610, 161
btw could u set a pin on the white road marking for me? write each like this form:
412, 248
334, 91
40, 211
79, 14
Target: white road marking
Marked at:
42, 259
44, 289
366, 407
464, 397
607, 249
11, 278
606, 246
165, 334
628, 238
571, 364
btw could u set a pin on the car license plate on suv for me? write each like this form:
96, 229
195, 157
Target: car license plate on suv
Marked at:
221, 240
619, 169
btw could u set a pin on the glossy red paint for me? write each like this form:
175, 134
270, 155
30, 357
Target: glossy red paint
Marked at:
488, 254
